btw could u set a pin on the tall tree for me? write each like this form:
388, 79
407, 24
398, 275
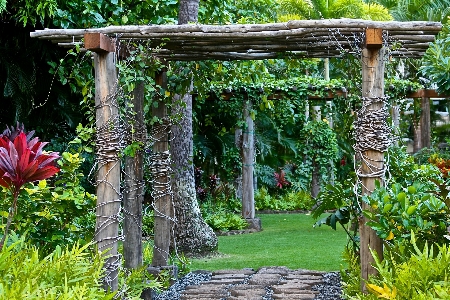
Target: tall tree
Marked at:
192, 234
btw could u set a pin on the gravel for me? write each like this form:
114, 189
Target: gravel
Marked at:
329, 290
192, 278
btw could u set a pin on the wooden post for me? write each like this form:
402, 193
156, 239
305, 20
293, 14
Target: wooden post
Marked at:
425, 123
395, 113
107, 150
162, 200
248, 154
372, 159
133, 195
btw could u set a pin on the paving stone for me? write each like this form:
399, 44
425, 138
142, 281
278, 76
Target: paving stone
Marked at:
287, 289
225, 281
303, 277
274, 270
264, 279
307, 272
221, 276
246, 284
201, 297
244, 298
293, 296
247, 290
231, 271
292, 286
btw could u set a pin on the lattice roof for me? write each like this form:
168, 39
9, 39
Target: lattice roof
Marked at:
304, 38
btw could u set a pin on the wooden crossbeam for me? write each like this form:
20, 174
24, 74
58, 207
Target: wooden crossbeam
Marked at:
98, 42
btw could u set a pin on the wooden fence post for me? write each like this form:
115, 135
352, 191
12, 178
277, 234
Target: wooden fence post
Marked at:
163, 205
372, 164
107, 152
133, 195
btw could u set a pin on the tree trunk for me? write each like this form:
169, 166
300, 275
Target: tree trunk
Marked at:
315, 179
192, 234
188, 11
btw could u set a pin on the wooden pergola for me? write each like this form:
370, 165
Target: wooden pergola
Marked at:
371, 40
296, 39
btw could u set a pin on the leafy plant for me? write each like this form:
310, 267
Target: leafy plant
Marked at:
223, 220
55, 212
22, 160
66, 273
288, 201
424, 275
398, 211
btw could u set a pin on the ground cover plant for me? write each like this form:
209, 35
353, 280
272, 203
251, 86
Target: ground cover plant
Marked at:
286, 240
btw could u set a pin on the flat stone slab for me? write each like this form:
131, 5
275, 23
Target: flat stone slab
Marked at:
293, 296
232, 271
247, 291
264, 279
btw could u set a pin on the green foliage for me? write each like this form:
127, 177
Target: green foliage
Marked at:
66, 273
221, 219
133, 282
339, 198
289, 201
424, 275
226, 12
399, 210
436, 64
54, 212
350, 273
318, 146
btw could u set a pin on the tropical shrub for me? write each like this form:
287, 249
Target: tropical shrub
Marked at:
398, 211
55, 212
22, 160
221, 219
423, 275
290, 201
66, 273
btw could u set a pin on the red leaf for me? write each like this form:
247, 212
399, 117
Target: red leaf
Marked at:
20, 143
23, 162
44, 173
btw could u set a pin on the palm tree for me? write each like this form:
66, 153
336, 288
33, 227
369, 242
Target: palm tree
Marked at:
417, 10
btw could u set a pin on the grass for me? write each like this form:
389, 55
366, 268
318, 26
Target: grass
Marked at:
286, 240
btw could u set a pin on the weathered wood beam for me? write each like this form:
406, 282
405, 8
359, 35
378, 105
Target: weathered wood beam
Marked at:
162, 201
372, 159
248, 28
98, 42
426, 93
108, 174
133, 195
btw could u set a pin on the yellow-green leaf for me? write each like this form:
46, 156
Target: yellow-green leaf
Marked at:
42, 184
390, 236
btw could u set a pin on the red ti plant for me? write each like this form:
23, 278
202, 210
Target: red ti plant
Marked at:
280, 179
22, 160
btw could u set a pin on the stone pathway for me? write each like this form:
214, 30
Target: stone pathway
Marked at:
247, 284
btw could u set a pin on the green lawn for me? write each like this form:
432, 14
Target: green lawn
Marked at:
286, 240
